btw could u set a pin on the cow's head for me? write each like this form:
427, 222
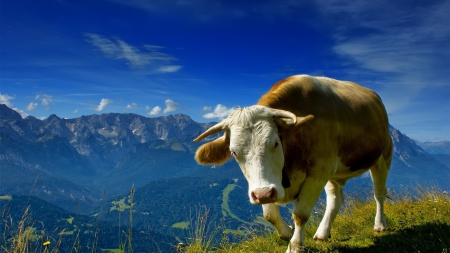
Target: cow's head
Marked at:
252, 138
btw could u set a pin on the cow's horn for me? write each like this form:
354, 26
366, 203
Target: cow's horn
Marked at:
212, 130
288, 117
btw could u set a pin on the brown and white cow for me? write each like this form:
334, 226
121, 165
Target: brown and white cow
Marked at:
305, 134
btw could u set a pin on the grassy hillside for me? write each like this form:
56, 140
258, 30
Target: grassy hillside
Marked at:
415, 224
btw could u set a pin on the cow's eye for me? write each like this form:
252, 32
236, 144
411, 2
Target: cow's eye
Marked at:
277, 144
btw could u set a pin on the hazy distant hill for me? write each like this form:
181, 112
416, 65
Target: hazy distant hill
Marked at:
411, 164
148, 162
441, 147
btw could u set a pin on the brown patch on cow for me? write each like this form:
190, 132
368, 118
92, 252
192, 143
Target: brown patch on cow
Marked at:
215, 152
300, 219
280, 83
362, 163
363, 150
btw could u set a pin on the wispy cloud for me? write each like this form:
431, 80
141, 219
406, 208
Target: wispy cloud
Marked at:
131, 106
45, 99
103, 103
155, 111
6, 99
151, 59
220, 112
404, 42
31, 106
206, 108
171, 106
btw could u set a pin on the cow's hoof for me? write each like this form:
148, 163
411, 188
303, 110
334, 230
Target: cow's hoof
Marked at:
319, 238
295, 250
379, 229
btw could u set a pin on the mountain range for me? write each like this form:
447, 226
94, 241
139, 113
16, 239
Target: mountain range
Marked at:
88, 164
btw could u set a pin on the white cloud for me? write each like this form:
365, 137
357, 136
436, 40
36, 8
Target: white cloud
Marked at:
131, 106
207, 108
5, 99
31, 106
21, 112
75, 111
220, 112
155, 111
103, 103
171, 106
153, 48
147, 107
150, 59
45, 99
169, 69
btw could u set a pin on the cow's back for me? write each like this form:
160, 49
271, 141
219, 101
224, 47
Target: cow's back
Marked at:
350, 121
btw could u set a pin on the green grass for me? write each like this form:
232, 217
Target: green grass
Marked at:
181, 225
225, 207
120, 205
70, 220
415, 224
5, 197
112, 250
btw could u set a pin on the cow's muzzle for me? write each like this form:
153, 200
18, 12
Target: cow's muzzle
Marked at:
264, 195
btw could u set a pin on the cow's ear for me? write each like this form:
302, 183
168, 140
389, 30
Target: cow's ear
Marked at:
289, 122
214, 152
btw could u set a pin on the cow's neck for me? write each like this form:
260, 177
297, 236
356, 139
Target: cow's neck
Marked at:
284, 179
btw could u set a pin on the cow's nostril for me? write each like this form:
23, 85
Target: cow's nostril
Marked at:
272, 193
254, 196
264, 195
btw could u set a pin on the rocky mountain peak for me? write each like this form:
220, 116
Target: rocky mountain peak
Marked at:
403, 145
7, 113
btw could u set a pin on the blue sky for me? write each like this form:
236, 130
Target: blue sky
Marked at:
203, 57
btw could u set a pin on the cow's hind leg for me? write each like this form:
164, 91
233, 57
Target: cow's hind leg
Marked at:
335, 198
379, 174
272, 214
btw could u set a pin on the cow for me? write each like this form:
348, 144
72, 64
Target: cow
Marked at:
305, 134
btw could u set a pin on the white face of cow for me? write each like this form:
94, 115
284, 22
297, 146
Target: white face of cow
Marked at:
259, 153
251, 137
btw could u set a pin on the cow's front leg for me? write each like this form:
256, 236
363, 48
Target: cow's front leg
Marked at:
272, 214
308, 196
335, 198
